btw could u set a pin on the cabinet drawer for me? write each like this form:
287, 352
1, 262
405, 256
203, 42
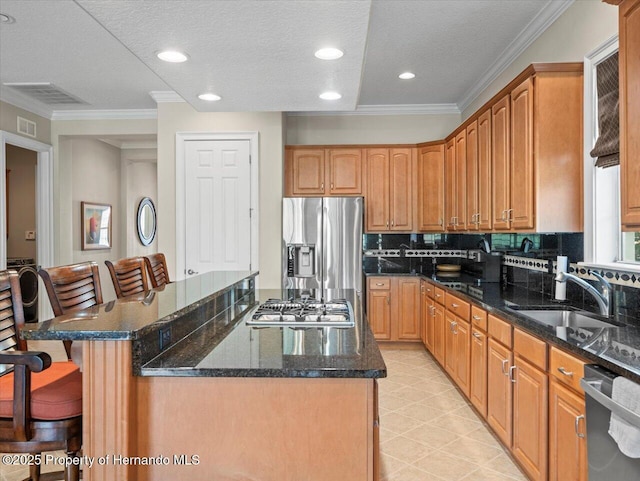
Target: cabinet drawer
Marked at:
438, 295
459, 307
430, 289
500, 330
479, 318
566, 368
530, 348
379, 283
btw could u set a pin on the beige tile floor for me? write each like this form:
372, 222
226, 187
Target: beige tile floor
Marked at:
428, 432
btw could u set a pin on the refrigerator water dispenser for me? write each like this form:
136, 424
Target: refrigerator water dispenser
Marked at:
301, 261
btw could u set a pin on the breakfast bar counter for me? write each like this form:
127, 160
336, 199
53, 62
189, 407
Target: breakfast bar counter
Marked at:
178, 375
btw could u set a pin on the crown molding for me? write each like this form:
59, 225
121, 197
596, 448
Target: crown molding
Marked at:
531, 32
23, 102
161, 96
400, 109
130, 144
128, 114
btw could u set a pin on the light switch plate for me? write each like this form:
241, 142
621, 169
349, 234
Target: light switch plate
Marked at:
29, 235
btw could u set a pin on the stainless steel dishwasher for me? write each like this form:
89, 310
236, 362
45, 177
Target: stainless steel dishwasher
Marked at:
606, 462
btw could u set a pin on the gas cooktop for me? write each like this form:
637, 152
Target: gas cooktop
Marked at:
302, 313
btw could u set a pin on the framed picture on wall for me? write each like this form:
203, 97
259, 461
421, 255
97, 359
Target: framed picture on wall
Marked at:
96, 226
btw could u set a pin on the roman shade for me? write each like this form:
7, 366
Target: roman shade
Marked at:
607, 148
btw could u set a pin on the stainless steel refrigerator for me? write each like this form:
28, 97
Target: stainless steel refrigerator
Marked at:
322, 243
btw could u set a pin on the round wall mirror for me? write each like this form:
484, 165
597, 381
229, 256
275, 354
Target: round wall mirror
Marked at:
146, 221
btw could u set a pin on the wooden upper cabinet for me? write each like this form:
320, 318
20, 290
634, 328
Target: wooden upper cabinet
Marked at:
450, 184
401, 190
389, 198
377, 199
629, 28
323, 172
520, 212
431, 188
500, 153
472, 209
483, 176
461, 182
307, 172
345, 171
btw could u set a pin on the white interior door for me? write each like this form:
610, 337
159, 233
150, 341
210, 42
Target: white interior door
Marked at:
218, 203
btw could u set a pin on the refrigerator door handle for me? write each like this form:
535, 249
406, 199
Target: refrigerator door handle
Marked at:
591, 387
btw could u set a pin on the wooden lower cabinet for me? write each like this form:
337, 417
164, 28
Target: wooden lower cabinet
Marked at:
567, 435
394, 308
499, 391
530, 394
478, 377
457, 351
438, 333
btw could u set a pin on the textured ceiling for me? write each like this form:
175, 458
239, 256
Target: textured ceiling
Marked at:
258, 54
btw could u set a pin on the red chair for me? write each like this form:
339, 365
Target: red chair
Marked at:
40, 400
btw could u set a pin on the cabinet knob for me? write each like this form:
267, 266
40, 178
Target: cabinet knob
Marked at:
331, 185
322, 186
392, 223
454, 305
388, 300
565, 372
477, 335
512, 377
379, 284
504, 367
476, 318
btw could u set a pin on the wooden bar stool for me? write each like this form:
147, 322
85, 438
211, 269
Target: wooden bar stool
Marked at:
129, 276
40, 400
157, 267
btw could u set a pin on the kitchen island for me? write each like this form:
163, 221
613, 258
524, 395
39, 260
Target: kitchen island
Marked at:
198, 394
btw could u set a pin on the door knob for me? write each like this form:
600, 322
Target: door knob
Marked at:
191, 272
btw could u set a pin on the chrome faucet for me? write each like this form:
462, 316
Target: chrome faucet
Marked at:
603, 298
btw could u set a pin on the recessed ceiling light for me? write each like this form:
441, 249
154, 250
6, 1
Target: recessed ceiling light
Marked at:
330, 96
4, 18
209, 97
407, 75
329, 53
172, 56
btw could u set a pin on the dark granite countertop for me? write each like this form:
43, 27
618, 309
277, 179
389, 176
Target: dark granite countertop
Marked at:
616, 348
227, 347
135, 316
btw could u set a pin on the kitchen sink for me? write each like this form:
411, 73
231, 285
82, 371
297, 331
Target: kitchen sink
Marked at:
562, 318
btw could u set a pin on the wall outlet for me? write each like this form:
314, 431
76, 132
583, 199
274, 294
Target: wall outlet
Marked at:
29, 235
165, 338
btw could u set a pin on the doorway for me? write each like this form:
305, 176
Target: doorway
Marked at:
216, 202
44, 205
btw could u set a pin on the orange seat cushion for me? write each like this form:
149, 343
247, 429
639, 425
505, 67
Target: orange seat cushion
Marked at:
56, 393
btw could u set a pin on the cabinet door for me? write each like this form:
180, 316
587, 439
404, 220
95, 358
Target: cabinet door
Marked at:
401, 190
484, 172
377, 190
500, 152
478, 387
463, 356
630, 114
461, 181
567, 435
431, 189
522, 193
450, 185
530, 426
423, 311
345, 171
407, 293
308, 172
499, 393
438, 333
379, 313
430, 324
472, 210
450, 354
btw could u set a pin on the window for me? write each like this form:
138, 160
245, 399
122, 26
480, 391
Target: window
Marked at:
605, 243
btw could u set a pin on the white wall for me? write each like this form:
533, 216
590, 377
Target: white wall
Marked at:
581, 28
96, 178
181, 117
140, 176
369, 129
61, 133
22, 201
